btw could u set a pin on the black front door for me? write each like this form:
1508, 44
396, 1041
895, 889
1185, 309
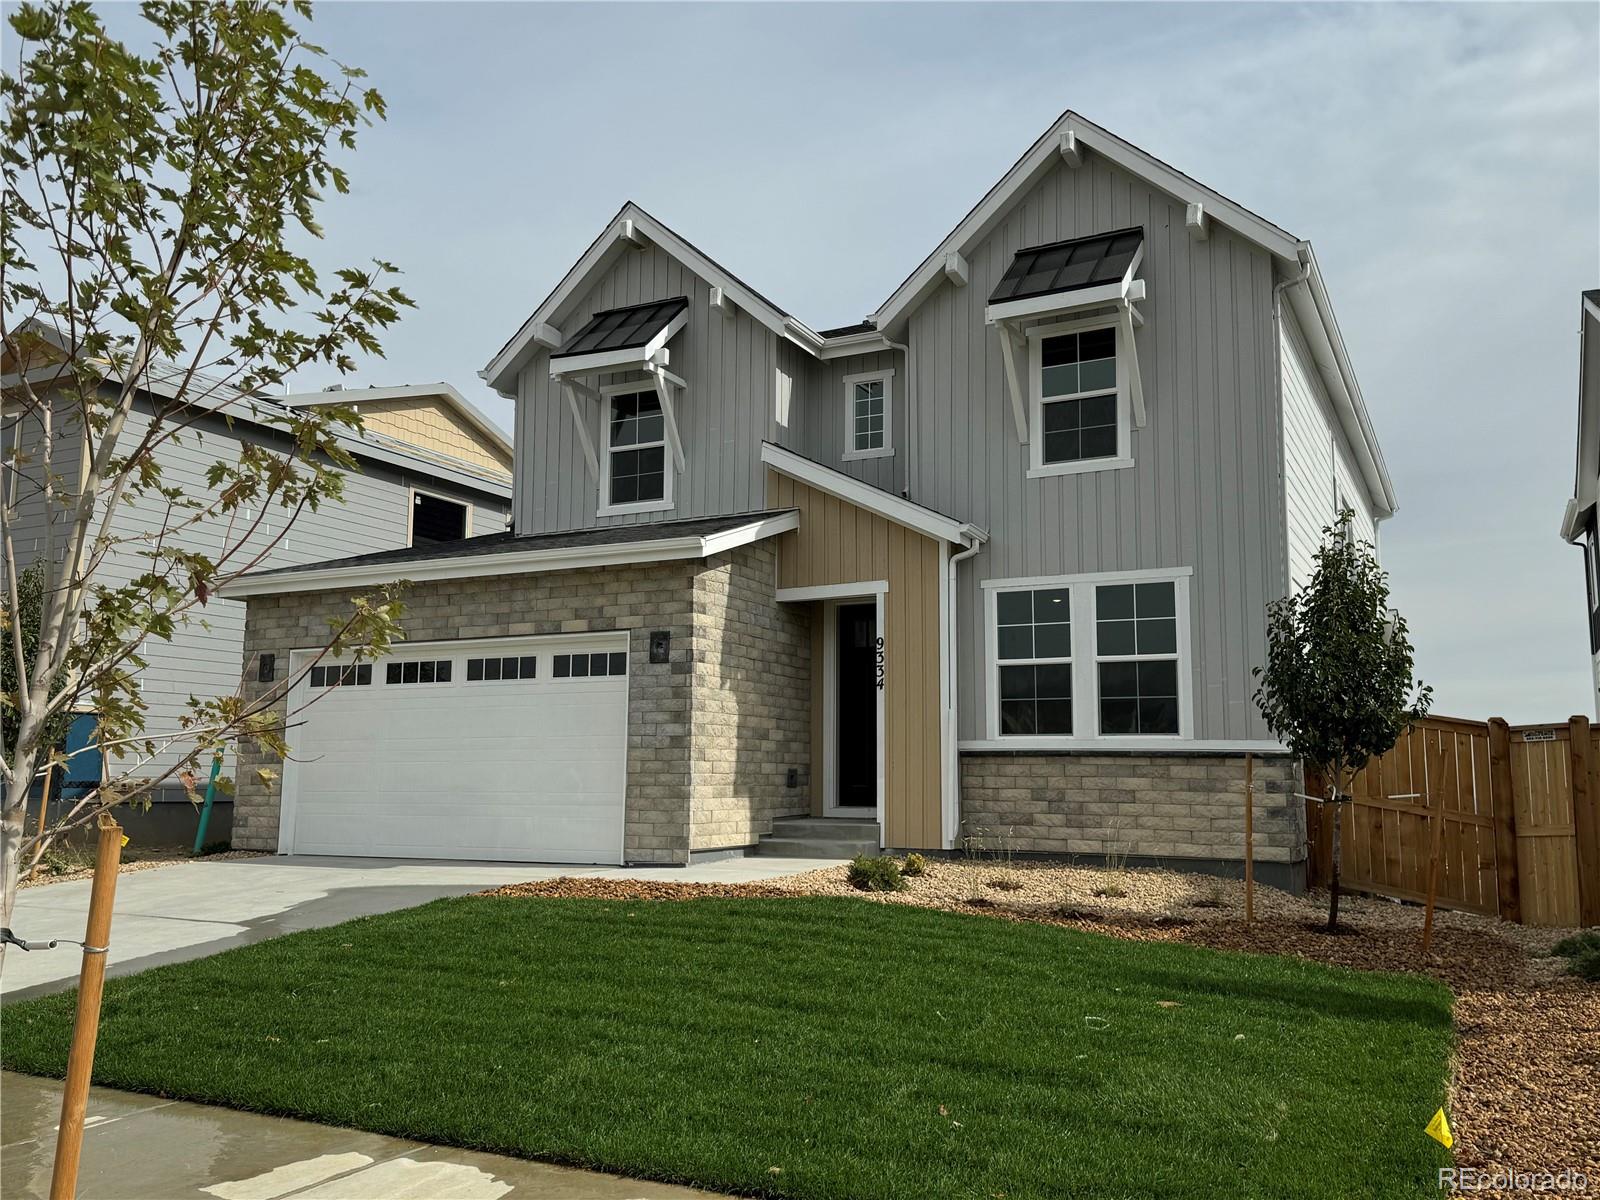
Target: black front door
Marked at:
857, 734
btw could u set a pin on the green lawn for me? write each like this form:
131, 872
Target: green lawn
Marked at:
864, 1050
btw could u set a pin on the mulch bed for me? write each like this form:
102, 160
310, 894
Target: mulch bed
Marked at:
1526, 1094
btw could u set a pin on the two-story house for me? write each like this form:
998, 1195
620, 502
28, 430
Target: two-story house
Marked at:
431, 467
990, 566
1578, 523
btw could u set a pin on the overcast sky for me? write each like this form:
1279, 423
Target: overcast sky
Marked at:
1443, 159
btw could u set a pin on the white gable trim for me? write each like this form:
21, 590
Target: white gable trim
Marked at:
617, 238
874, 500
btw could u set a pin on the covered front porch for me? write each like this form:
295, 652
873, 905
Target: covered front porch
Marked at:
873, 571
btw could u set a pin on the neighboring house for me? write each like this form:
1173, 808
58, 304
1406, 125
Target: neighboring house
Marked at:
987, 568
1578, 523
431, 468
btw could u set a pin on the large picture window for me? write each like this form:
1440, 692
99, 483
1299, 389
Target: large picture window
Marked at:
636, 474
1089, 658
1080, 411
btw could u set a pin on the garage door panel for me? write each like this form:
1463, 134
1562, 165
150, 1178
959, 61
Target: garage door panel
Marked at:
529, 769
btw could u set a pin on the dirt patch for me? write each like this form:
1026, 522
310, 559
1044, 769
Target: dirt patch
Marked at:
1526, 1094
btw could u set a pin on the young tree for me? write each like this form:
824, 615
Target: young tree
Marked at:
156, 205
1337, 688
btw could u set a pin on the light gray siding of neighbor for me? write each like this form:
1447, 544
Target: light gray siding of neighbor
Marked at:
205, 656
30, 533
731, 366
822, 404
1204, 491
1318, 465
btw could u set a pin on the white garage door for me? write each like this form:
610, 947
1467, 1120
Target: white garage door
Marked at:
495, 749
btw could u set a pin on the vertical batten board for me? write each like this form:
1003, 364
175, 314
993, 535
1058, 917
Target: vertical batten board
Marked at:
821, 432
839, 543
1317, 464
730, 366
1204, 491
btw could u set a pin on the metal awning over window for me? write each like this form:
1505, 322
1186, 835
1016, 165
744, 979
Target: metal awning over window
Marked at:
619, 340
1071, 274
1064, 278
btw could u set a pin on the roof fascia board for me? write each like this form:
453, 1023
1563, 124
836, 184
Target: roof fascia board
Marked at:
863, 495
856, 343
1315, 314
1586, 486
596, 258
355, 398
527, 562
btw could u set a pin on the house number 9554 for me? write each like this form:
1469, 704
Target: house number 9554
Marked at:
880, 659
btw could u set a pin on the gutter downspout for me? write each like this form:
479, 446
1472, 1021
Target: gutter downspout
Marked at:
911, 419
973, 539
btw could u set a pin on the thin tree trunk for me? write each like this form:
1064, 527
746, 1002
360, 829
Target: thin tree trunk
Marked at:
12, 831
1333, 886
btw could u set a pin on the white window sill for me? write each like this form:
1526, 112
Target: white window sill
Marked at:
1079, 468
644, 506
883, 452
1167, 741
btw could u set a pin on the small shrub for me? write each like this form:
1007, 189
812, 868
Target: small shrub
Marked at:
215, 848
1111, 891
1004, 883
1212, 897
875, 873
1586, 964
914, 866
1578, 944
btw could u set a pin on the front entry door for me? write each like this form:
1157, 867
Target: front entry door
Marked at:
857, 707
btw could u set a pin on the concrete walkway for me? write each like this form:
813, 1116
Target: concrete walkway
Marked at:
192, 909
145, 1148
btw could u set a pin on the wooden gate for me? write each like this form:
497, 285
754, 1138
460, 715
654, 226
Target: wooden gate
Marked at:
1520, 813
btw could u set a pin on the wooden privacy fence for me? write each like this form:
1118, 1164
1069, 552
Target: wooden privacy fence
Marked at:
1519, 807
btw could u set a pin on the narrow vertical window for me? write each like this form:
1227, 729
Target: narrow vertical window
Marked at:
636, 451
1034, 647
868, 415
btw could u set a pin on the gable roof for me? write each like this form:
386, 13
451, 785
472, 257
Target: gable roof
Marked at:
1068, 136
626, 229
356, 397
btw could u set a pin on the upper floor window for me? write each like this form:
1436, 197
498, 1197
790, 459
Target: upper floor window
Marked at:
1080, 415
636, 478
868, 412
435, 519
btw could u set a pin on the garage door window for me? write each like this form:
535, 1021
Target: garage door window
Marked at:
422, 671
578, 666
481, 670
341, 676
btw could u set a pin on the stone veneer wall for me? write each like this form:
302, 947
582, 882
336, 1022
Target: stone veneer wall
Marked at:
750, 721
1170, 806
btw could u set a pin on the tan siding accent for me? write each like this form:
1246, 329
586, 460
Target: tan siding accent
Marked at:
434, 425
836, 543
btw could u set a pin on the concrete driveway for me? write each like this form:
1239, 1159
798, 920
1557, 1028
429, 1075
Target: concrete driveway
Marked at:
192, 909
148, 1148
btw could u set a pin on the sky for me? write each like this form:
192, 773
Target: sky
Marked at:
1443, 159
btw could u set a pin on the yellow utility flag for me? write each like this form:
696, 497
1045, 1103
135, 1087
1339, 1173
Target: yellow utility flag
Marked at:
1439, 1130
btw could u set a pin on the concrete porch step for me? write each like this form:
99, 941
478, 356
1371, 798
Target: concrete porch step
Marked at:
820, 837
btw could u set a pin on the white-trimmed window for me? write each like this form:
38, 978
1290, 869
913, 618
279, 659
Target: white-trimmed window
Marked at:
1089, 658
868, 414
636, 474
1033, 645
1081, 414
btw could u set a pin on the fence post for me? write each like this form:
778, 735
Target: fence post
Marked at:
1585, 821
1504, 801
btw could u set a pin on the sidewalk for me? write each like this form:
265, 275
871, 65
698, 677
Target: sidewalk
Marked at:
145, 1148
